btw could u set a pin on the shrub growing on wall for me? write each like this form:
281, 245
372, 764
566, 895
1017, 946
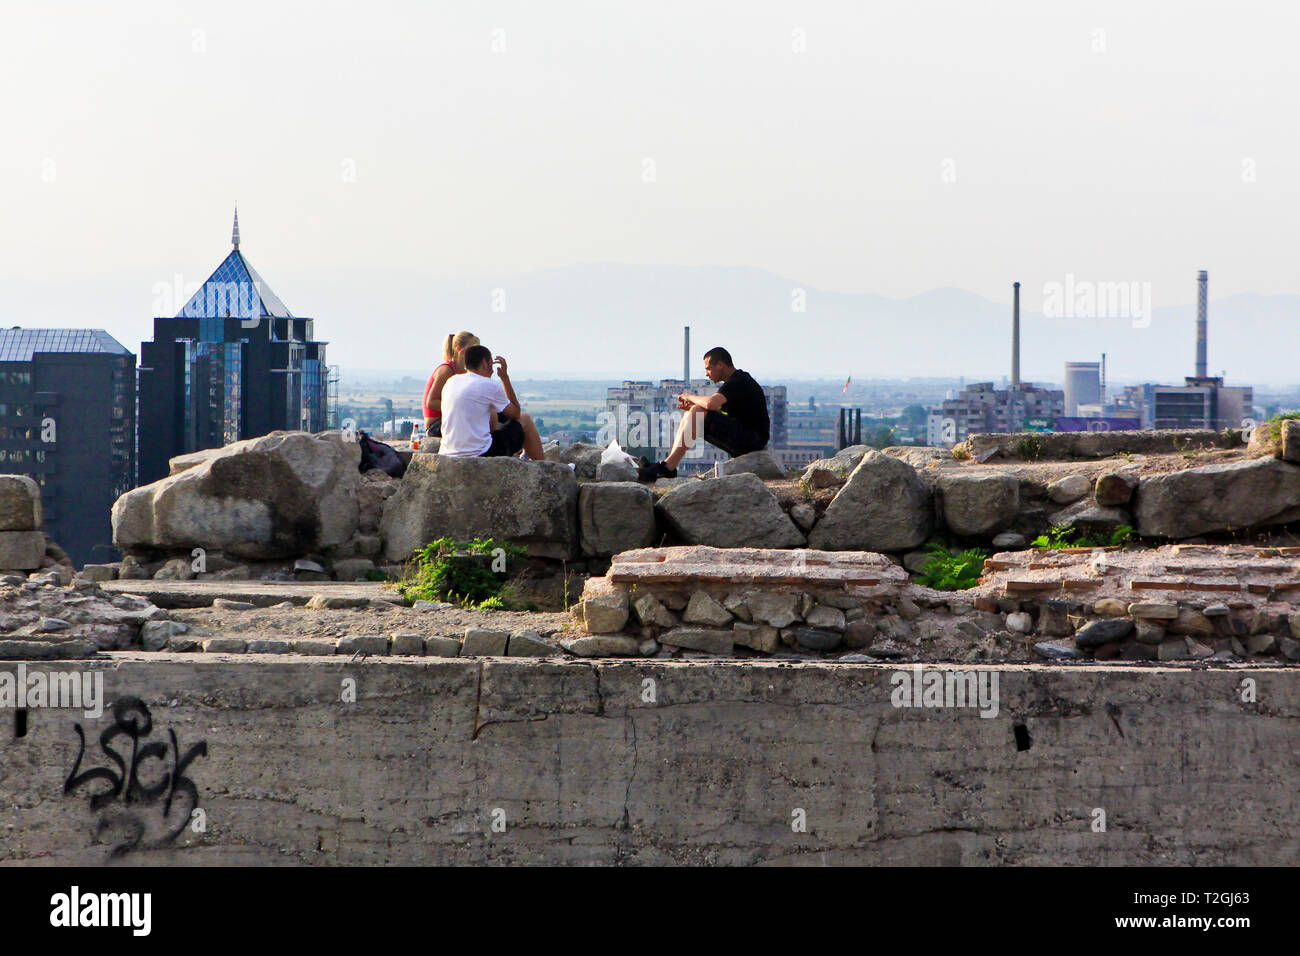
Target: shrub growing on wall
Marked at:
463, 572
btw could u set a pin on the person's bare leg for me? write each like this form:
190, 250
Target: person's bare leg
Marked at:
532, 438
688, 433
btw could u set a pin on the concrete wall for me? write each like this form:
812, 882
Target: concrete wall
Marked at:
581, 768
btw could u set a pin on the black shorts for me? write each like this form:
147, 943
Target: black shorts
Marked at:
723, 431
434, 428
507, 441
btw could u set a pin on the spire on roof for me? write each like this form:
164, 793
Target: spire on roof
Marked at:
234, 235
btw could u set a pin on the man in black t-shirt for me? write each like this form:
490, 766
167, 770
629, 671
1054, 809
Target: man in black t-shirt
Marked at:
733, 419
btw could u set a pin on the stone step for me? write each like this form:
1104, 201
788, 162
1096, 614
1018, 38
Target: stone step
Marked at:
751, 566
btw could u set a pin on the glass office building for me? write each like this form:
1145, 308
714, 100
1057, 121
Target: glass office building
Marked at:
234, 363
67, 420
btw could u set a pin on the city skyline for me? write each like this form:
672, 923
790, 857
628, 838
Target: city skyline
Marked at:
796, 141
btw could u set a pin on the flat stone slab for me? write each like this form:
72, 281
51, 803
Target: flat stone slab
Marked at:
192, 594
1149, 576
755, 566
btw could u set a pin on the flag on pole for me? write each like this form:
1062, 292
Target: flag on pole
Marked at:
846, 384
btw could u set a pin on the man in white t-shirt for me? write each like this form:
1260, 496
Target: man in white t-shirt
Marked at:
481, 417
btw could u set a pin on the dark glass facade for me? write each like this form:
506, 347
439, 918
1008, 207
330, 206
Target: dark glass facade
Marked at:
234, 363
67, 420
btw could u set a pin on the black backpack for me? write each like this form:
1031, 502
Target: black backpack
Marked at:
375, 454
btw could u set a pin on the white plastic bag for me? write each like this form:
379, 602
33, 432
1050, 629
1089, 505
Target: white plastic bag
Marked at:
613, 454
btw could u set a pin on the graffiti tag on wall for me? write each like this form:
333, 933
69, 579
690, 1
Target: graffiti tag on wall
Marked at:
133, 814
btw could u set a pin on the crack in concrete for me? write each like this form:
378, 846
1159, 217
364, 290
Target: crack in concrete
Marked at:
627, 792
478, 697
600, 691
623, 841
507, 720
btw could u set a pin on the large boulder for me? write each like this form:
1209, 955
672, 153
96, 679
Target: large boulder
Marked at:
286, 493
1068, 490
21, 550
585, 459
737, 511
1114, 489
762, 463
530, 503
920, 456
20, 504
615, 516
375, 488
1264, 440
885, 506
826, 472
976, 505
1234, 495
617, 471
1290, 429
1089, 518
185, 462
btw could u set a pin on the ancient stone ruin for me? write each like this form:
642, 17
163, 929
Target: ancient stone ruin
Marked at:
819, 564
1177, 602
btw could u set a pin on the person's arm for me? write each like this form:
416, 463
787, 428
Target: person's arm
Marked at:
512, 410
433, 397
710, 403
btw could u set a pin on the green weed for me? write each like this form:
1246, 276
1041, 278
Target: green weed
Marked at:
1059, 536
948, 572
466, 573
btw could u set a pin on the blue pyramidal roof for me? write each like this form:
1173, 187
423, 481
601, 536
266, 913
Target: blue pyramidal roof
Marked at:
234, 290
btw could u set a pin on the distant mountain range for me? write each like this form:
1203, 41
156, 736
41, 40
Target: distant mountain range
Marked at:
614, 321
610, 320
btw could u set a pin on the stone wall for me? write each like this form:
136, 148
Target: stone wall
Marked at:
1173, 603
25, 550
291, 506
22, 543
456, 761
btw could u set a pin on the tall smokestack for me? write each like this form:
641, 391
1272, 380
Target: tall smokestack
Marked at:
1102, 382
1202, 307
686, 357
1015, 339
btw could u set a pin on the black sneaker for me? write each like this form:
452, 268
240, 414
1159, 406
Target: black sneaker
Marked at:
656, 471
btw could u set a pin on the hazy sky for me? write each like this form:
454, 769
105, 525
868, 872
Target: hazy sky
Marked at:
854, 147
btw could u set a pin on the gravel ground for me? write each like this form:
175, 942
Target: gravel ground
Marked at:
300, 622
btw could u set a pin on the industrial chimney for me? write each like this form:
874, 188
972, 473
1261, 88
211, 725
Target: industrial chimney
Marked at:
1202, 307
1015, 339
686, 358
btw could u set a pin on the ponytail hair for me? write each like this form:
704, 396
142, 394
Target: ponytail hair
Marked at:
454, 345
